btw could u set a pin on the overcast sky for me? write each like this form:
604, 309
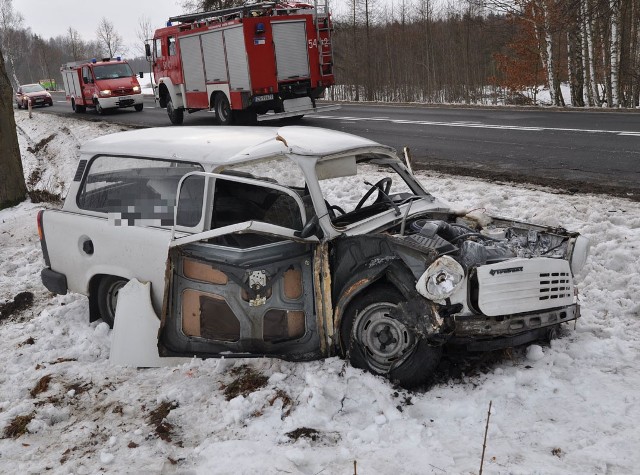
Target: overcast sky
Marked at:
49, 18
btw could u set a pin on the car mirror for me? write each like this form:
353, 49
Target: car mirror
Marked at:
141, 74
309, 229
147, 51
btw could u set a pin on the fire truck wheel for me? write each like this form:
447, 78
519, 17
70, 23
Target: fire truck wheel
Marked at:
76, 108
223, 110
138, 107
176, 116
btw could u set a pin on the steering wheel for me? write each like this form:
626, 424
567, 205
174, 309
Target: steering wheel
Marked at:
383, 185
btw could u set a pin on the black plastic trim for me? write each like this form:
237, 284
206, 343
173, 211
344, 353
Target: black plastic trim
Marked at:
54, 281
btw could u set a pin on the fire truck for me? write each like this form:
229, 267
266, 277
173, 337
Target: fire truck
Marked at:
255, 62
103, 85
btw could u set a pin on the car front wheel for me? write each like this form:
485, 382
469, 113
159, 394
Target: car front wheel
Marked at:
374, 339
108, 290
176, 116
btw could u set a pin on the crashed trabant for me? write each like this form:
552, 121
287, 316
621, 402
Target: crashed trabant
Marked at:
298, 243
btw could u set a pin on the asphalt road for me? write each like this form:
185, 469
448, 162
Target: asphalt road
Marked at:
574, 151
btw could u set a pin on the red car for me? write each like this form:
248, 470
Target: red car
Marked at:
38, 95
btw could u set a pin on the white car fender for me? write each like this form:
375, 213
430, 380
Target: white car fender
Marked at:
134, 339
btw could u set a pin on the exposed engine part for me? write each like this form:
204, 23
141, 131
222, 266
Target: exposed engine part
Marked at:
473, 253
473, 247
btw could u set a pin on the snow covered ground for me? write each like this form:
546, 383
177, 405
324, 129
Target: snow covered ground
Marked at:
569, 408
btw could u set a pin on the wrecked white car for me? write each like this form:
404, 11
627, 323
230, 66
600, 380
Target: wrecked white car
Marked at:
300, 243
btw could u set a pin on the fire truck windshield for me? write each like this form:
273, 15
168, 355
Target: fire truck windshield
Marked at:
112, 71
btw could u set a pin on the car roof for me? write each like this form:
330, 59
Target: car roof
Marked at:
217, 145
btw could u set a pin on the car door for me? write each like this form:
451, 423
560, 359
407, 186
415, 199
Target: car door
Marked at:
245, 287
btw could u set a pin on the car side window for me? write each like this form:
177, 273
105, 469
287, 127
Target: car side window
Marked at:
172, 45
135, 191
157, 48
86, 75
235, 203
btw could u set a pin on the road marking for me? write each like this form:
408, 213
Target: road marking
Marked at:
476, 125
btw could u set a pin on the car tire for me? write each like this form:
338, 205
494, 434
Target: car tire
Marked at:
138, 107
373, 340
176, 116
224, 114
19, 105
107, 297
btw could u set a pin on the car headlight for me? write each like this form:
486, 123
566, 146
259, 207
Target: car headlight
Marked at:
441, 279
136, 88
579, 254
105, 93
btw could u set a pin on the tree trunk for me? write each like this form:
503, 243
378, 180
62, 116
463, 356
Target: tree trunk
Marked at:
12, 187
615, 53
592, 56
586, 57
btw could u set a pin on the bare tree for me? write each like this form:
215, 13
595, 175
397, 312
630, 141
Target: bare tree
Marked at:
75, 44
12, 187
10, 22
109, 38
144, 33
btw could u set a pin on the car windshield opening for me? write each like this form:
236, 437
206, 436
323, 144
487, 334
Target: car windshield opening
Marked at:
112, 71
33, 88
369, 186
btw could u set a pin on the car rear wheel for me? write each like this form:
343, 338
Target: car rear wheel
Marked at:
373, 338
176, 116
224, 115
107, 297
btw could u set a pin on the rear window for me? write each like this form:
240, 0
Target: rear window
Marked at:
135, 191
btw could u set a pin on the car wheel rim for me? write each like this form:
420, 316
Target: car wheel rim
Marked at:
385, 341
112, 297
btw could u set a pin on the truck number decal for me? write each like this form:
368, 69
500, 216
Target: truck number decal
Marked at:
314, 43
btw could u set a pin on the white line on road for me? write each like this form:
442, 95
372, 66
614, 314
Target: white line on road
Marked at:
477, 125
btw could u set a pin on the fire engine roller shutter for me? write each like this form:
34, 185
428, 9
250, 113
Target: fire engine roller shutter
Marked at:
214, 62
237, 59
192, 64
290, 38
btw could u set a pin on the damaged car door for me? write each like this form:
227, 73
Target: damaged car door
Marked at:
245, 286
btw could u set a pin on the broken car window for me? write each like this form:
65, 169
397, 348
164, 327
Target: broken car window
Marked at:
137, 191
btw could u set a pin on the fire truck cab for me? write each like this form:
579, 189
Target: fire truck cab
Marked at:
103, 85
256, 62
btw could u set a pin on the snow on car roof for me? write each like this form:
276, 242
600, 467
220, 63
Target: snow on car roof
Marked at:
226, 145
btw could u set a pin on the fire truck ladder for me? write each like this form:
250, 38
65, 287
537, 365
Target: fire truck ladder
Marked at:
323, 32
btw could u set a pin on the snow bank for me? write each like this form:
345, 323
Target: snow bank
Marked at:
571, 407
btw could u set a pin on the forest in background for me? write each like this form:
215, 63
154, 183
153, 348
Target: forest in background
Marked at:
470, 52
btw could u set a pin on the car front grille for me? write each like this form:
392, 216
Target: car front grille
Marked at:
523, 285
122, 92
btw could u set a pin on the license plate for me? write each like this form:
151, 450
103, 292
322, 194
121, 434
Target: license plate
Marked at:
268, 97
125, 98
39, 100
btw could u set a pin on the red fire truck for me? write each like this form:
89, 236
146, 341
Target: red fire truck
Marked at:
256, 62
105, 84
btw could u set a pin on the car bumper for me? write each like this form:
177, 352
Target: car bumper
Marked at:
482, 333
54, 281
120, 101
